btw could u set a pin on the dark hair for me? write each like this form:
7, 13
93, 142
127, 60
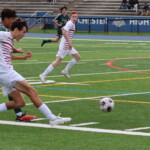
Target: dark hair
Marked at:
63, 8
8, 13
18, 23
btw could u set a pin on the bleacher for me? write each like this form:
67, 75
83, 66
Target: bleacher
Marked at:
30, 7
84, 7
104, 7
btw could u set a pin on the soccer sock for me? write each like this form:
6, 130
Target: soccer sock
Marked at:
47, 112
48, 70
3, 107
70, 64
18, 111
48, 41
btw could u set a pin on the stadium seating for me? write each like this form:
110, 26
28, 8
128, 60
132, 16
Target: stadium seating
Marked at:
84, 7
104, 7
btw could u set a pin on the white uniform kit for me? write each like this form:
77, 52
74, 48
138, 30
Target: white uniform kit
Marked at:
64, 46
8, 76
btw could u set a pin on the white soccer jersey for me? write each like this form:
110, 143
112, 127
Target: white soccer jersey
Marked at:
6, 49
70, 28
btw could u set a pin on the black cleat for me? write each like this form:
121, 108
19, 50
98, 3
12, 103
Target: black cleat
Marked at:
43, 42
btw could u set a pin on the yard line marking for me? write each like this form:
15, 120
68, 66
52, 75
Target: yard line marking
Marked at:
89, 74
83, 124
90, 98
75, 39
38, 119
48, 86
97, 130
136, 129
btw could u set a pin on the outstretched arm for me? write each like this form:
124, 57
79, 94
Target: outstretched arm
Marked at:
27, 55
17, 50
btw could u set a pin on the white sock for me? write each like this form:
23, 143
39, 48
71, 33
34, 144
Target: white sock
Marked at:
3, 107
19, 114
70, 64
47, 112
48, 70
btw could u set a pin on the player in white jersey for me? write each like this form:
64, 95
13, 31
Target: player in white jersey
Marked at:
13, 82
65, 47
8, 15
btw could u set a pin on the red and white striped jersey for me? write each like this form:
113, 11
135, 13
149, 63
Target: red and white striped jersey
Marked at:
70, 28
6, 49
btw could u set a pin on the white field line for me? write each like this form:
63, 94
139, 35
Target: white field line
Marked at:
38, 119
83, 124
89, 74
87, 98
73, 128
136, 129
123, 40
81, 61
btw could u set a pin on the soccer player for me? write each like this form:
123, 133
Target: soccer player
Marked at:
60, 21
8, 15
65, 47
12, 82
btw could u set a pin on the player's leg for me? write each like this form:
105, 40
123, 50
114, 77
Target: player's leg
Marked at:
59, 56
49, 69
17, 102
25, 88
71, 63
56, 39
20, 115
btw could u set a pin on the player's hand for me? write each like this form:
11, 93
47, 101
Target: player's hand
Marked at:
59, 25
20, 50
28, 54
70, 46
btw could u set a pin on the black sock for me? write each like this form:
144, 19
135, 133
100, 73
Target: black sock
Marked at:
48, 41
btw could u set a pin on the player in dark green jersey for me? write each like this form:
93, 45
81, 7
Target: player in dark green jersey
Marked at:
8, 16
60, 21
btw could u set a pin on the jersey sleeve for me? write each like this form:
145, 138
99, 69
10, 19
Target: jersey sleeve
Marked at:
68, 26
57, 17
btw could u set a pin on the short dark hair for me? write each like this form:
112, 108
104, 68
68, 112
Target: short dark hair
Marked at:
8, 13
18, 23
63, 8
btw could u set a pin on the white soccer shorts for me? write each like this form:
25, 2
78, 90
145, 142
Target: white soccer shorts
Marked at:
8, 78
62, 53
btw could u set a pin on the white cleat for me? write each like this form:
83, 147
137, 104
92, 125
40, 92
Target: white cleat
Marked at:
59, 120
65, 73
42, 78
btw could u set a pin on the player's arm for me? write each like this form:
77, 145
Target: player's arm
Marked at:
17, 50
56, 20
27, 55
64, 32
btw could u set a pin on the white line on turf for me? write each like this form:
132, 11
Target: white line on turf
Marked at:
76, 99
84, 124
89, 74
73, 128
136, 129
131, 41
38, 119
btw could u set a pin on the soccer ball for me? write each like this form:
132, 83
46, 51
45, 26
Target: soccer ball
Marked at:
106, 104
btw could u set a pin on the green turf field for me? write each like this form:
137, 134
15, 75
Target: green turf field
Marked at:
126, 80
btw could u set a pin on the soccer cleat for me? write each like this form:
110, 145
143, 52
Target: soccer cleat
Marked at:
25, 117
59, 120
42, 78
43, 42
65, 73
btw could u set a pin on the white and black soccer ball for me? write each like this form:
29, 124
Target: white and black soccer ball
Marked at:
106, 104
